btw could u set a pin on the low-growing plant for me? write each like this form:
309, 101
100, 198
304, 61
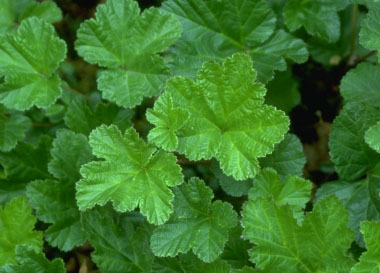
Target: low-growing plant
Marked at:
194, 136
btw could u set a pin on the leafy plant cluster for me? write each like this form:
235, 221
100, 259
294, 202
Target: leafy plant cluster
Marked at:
182, 159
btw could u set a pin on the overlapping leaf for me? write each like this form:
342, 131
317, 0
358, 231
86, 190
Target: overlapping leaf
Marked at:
216, 29
28, 61
127, 42
372, 137
16, 228
319, 17
12, 129
132, 174
282, 245
196, 224
369, 32
228, 119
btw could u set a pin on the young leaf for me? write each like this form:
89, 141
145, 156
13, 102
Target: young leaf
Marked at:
133, 173
372, 137
16, 228
349, 152
369, 31
369, 261
293, 191
81, 119
28, 61
127, 42
282, 245
28, 260
196, 224
228, 119
319, 17
216, 29
12, 130
12, 12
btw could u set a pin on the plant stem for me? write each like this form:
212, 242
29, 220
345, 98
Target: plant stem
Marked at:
353, 34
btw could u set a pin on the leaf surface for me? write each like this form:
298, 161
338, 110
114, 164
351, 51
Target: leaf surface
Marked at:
12, 130
369, 31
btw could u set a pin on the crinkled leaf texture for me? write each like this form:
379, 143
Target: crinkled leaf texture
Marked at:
12, 129
284, 246
217, 29
369, 31
127, 42
348, 150
196, 224
293, 191
319, 17
227, 120
29, 261
16, 228
28, 61
54, 201
372, 137
132, 174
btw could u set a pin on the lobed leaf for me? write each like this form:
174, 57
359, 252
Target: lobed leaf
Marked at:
369, 31
372, 137
12, 130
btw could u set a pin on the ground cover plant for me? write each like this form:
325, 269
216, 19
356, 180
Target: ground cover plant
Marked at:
190, 136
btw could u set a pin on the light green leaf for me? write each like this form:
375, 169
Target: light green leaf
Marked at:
372, 137
28, 61
369, 261
349, 152
287, 158
127, 42
28, 260
16, 228
228, 119
318, 17
293, 191
361, 85
369, 31
284, 246
196, 224
132, 174
12, 12
167, 120
216, 29
27, 162
81, 119
69, 152
356, 199
12, 130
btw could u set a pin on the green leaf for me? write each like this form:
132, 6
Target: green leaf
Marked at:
81, 119
196, 224
190, 263
167, 120
282, 245
12, 12
287, 158
12, 130
369, 261
372, 137
356, 199
16, 228
9, 190
69, 152
28, 61
349, 152
228, 119
318, 17
293, 190
27, 162
361, 85
31, 261
133, 173
127, 42
369, 31
217, 29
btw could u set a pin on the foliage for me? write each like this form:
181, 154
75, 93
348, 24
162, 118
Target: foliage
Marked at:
193, 136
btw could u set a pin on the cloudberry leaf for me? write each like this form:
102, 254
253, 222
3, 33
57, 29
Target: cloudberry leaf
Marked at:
369, 32
196, 224
16, 228
12, 129
228, 119
28, 61
372, 137
132, 174
126, 43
